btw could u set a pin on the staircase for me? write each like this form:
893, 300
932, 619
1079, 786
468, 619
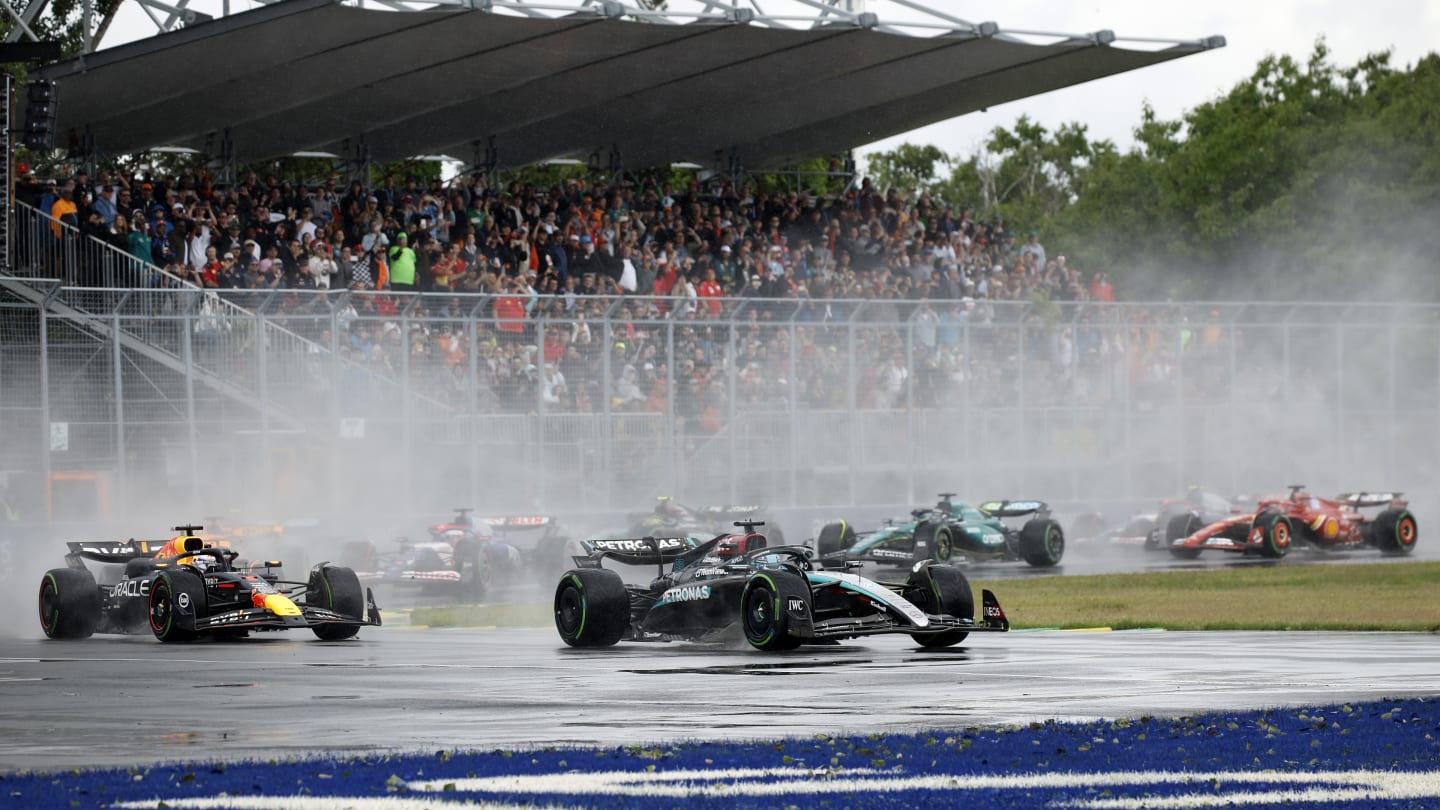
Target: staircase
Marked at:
241, 355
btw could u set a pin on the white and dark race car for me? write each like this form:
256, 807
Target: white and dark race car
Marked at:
467, 555
777, 597
184, 589
670, 518
1148, 530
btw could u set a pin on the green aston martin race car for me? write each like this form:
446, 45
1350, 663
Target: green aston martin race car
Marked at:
950, 531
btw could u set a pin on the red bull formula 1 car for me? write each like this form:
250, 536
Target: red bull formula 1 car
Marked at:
778, 596
1279, 523
184, 589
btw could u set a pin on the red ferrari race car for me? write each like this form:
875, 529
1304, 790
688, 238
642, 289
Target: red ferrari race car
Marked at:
1279, 522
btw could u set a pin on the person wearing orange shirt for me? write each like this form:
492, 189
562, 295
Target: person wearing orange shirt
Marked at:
64, 210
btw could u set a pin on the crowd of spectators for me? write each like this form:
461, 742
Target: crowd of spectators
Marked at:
693, 282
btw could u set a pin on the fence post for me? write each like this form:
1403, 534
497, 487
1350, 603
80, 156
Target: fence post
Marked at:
44, 437
117, 381
188, 358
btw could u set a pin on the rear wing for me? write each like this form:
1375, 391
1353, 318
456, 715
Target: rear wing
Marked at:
639, 550
113, 551
730, 509
1007, 509
519, 522
1361, 500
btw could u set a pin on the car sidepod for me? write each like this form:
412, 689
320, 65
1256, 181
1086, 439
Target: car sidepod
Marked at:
696, 607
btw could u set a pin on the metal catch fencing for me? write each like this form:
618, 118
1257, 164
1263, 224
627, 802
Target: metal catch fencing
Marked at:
128, 401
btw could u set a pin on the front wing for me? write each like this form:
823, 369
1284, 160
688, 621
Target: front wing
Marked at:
260, 618
408, 577
992, 620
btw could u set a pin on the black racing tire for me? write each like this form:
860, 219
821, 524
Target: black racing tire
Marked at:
1276, 534
170, 592
774, 535
336, 588
834, 538
474, 568
939, 540
549, 559
942, 590
69, 603
1088, 526
1395, 531
1042, 542
763, 616
1180, 526
592, 607
358, 555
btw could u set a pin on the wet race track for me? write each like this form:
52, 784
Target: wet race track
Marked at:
128, 700
114, 701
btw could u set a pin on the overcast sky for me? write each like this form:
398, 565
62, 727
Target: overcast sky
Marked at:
1110, 107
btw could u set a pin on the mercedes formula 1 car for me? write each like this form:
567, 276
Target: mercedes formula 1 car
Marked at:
184, 589
950, 531
672, 519
1279, 522
777, 595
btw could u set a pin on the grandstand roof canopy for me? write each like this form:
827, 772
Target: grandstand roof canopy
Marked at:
721, 84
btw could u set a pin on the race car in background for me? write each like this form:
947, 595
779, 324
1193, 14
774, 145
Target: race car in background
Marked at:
454, 558
185, 589
467, 555
1148, 529
670, 518
778, 597
1281, 522
950, 531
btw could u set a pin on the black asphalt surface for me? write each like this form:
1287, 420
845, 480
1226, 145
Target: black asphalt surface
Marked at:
132, 700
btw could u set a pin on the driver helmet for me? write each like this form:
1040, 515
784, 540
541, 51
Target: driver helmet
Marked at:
668, 508
729, 547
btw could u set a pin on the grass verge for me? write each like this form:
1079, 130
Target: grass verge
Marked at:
1378, 596
1402, 596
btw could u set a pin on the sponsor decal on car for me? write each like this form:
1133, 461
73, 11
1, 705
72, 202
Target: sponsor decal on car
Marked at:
132, 587
685, 593
637, 545
796, 607
890, 554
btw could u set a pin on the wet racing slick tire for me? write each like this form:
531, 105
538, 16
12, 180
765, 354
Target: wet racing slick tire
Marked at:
355, 554
170, 593
1178, 528
592, 607
1088, 526
1394, 531
1276, 534
69, 603
1042, 542
763, 609
943, 590
335, 588
939, 540
475, 570
834, 538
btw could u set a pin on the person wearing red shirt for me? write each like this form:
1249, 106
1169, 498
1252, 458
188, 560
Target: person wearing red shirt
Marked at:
710, 292
1100, 289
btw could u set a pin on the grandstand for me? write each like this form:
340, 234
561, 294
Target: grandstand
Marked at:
585, 346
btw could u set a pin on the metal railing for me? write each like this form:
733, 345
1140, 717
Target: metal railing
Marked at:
369, 401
